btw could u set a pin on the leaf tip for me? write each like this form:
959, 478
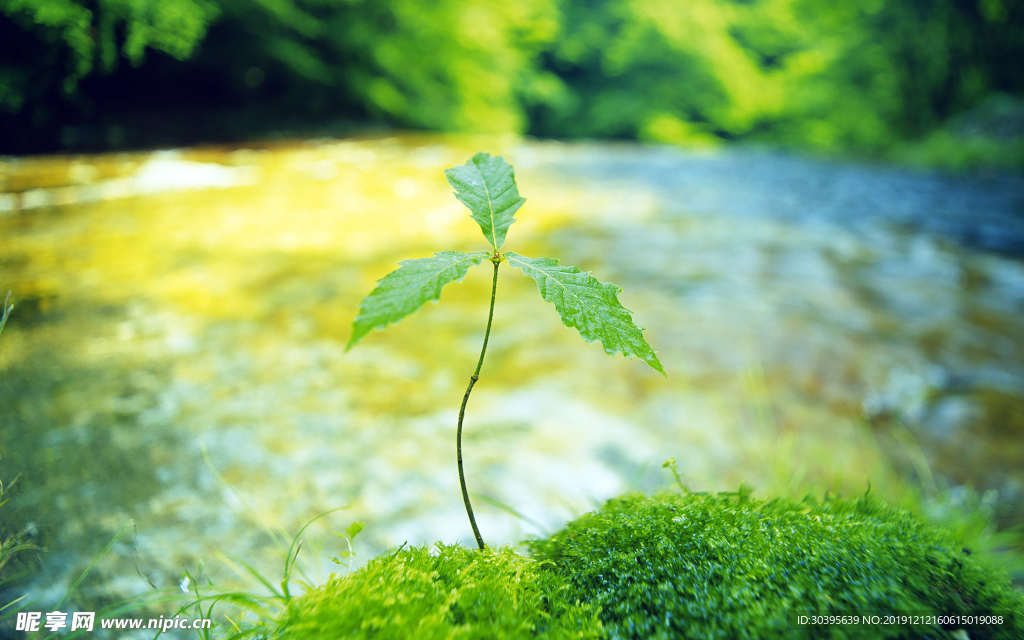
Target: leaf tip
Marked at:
656, 365
486, 185
353, 339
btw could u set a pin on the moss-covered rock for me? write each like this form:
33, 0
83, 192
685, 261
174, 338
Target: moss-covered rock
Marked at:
674, 566
445, 592
703, 566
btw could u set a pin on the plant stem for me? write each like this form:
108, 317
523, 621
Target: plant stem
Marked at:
496, 259
7, 308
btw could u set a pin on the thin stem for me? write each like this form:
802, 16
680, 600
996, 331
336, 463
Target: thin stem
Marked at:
7, 308
496, 259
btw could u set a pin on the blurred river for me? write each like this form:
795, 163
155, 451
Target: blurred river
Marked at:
823, 326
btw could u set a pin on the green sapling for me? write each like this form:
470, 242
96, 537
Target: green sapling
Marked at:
487, 186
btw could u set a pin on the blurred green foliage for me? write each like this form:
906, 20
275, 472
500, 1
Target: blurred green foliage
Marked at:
53, 44
861, 75
449, 65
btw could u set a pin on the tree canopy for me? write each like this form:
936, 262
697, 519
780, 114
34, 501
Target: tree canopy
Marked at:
847, 74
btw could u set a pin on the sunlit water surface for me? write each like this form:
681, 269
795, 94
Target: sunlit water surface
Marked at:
176, 357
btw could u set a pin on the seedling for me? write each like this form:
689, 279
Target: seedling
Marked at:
487, 186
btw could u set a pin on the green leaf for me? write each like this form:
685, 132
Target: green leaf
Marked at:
405, 289
487, 185
587, 304
353, 529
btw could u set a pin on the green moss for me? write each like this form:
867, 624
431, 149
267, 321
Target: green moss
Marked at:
446, 592
701, 566
673, 566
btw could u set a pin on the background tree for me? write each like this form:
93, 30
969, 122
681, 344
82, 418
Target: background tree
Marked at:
51, 45
862, 75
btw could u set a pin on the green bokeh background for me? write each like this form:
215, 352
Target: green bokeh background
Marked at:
932, 81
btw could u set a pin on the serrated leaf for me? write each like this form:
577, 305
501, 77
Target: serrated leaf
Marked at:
487, 185
407, 288
588, 305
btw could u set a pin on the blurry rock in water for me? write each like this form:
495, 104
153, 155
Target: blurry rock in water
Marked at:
167, 172
162, 173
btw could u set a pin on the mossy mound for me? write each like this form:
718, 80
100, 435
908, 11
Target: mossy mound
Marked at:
704, 566
446, 592
674, 566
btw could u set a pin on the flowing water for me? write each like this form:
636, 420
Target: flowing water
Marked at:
176, 356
